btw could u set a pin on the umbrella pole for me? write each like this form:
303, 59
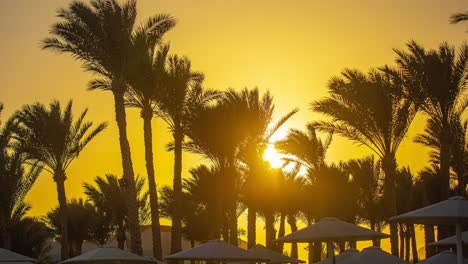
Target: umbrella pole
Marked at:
331, 251
459, 244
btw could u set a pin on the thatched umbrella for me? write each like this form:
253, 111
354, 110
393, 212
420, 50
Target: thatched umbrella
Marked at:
453, 211
331, 230
10, 256
216, 250
108, 255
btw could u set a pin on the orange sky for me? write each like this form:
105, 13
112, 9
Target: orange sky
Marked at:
289, 47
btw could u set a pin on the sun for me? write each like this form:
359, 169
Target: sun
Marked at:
273, 157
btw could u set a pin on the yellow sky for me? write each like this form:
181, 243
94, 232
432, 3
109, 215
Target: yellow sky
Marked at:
289, 47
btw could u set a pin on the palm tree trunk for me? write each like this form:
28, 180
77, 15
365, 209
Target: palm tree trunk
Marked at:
375, 242
407, 242
429, 238
120, 237
176, 233
402, 241
153, 194
6, 237
310, 254
59, 178
317, 252
389, 167
414, 247
281, 231
293, 225
233, 224
445, 157
128, 175
270, 229
251, 227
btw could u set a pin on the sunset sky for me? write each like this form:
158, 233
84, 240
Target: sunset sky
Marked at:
290, 48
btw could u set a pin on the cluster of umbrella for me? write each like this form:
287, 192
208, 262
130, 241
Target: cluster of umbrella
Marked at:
453, 211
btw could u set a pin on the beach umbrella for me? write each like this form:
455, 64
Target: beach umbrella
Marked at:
450, 241
108, 255
11, 262
444, 257
331, 230
10, 256
453, 211
373, 255
273, 256
338, 258
216, 250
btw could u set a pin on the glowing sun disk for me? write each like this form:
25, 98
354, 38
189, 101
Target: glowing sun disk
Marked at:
273, 157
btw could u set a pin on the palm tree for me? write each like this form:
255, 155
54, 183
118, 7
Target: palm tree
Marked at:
102, 35
371, 109
52, 138
259, 112
306, 150
109, 198
366, 175
31, 237
182, 92
82, 219
16, 180
145, 86
439, 78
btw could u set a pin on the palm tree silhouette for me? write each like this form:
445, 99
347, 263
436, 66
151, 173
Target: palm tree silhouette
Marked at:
16, 181
306, 150
146, 79
53, 138
260, 110
102, 35
109, 198
82, 218
438, 78
182, 92
371, 109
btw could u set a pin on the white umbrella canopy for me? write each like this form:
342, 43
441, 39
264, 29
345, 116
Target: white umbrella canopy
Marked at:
338, 258
332, 229
108, 254
453, 211
216, 250
10, 262
449, 212
444, 257
373, 255
450, 241
10, 256
273, 256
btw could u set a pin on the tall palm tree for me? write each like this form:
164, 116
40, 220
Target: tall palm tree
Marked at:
102, 36
260, 113
145, 86
17, 179
109, 198
374, 110
53, 138
439, 79
182, 92
306, 150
